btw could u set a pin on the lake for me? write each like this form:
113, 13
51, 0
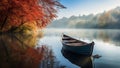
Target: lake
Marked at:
31, 51
107, 45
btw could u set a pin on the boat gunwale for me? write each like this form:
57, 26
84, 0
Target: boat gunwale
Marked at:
77, 46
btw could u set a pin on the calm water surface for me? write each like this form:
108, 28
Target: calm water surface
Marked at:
107, 45
32, 51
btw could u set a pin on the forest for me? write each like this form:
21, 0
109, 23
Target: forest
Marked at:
106, 20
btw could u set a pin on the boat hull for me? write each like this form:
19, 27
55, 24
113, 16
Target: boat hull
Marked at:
85, 49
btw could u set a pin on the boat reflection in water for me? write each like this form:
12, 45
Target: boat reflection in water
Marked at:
79, 60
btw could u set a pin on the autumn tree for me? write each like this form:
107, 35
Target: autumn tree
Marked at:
14, 13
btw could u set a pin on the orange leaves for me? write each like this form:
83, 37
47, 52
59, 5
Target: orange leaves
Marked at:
19, 12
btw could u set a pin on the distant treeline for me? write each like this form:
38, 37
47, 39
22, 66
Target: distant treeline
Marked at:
106, 20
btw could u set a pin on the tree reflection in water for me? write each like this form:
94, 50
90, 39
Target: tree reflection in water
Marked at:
19, 51
49, 60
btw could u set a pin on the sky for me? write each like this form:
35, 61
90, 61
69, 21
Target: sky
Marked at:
85, 7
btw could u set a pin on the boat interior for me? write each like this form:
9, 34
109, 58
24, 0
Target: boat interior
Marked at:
71, 41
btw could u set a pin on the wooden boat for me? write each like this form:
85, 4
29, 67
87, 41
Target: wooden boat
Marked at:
77, 46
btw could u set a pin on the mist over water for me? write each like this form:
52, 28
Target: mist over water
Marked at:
106, 41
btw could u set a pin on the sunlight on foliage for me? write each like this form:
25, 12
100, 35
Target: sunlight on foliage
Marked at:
14, 13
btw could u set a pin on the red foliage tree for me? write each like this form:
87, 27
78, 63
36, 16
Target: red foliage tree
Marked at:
18, 12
